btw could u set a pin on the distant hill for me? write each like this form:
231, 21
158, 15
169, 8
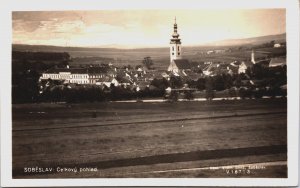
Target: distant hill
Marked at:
253, 41
160, 56
228, 42
39, 48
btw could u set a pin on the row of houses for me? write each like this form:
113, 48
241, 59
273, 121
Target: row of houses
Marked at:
181, 66
101, 75
107, 75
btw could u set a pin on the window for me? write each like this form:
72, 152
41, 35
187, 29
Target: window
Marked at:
173, 48
172, 53
178, 53
178, 48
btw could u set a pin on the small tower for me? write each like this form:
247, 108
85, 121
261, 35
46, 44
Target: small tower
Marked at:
252, 57
175, 45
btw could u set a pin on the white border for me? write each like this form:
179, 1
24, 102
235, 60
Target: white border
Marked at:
293, 88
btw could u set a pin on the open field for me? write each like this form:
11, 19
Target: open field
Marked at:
181, 139
160, 56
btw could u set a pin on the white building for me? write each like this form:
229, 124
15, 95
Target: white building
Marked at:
277, 45
78, 75
242, 68
107, 81
253, 57
89, 75
68, 75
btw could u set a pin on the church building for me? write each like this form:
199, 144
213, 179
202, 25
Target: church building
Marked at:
176, 61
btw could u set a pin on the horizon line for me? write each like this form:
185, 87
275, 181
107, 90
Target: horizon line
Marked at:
145, 47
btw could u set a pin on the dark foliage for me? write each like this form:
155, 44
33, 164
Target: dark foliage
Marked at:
26, 91
147, 62
40, 56
176, 82
162, 84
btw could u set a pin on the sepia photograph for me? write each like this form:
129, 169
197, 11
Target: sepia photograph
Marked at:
150, 93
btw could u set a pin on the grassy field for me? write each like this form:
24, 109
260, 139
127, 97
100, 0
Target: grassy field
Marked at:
180, 139
160, 56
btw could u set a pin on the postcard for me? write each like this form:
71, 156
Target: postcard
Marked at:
127, 93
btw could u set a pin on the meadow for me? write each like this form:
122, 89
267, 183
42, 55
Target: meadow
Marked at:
179, 139
160, 56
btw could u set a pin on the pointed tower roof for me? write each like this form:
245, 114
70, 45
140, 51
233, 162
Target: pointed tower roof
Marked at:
175, 36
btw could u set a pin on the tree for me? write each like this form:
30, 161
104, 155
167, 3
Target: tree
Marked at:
147, 62
201, 83
259, 71
228, 81
26, 90
219, 83
188, 95
160, 83
173, 96
209, 85
176, 82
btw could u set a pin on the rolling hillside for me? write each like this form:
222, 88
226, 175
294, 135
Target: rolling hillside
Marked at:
241, 51
251, 41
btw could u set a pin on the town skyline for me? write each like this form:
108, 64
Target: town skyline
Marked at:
142, 28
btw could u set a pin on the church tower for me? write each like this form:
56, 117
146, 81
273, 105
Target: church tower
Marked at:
252, 57
177, 64
175, 45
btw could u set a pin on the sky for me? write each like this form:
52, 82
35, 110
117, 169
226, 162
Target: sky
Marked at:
142, 28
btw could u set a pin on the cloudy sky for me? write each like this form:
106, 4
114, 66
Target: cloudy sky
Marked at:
142, 28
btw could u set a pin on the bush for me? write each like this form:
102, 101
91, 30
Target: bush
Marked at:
188, 95
209, 94
245, 93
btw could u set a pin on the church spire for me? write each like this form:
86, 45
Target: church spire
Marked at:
175, 35
175, 44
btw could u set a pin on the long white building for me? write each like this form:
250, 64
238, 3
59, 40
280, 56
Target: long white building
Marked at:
89, 75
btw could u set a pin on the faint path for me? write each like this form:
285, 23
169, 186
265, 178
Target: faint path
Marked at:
230, 115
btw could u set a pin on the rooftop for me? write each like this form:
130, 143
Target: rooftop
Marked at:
182, 63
